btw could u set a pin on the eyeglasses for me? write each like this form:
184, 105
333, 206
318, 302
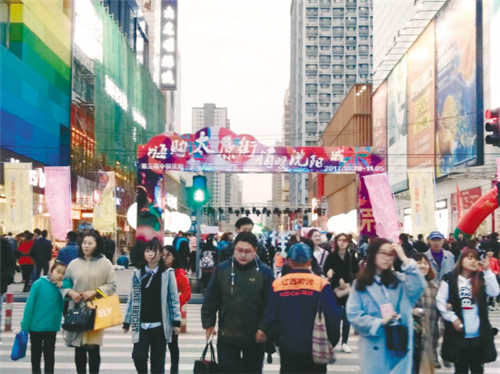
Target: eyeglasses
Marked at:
387, 254
343, 240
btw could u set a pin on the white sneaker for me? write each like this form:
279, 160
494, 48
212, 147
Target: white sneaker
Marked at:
345, 348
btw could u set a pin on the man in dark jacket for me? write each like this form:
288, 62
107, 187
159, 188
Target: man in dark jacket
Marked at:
245, 224
238, 291
42, 254
70, 251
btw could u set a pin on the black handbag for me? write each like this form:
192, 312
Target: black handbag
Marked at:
79, 319
396, 335
206, 366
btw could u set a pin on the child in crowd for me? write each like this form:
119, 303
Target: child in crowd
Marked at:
153, 310
42, 317
170, 255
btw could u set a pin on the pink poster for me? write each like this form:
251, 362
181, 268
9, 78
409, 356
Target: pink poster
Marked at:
383, 205
58, 199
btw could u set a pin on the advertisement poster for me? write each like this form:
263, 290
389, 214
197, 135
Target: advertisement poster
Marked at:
18, 196
494, 53
397, 129
456, 132
421, 100
423, 200
379, 116
58, 200
366, 221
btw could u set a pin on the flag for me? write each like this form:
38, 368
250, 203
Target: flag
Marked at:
105, 210
423, 201
58, 200
383, 205
18, 196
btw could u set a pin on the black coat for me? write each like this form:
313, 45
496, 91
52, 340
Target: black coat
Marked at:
41, 251
8, 265
453, 340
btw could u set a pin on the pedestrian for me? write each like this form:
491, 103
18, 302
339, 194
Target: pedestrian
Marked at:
238, 291
495, 268
109, 248
42, 254
207, 260
184, 289
410, 252
153, 310
42, 317
468, 341
341, 268
26, 261
441, 260
69, 252
292, 308
380, 295
245, 224
182, 246
7, 270
84, 275
425, 315
319, 253
420, 245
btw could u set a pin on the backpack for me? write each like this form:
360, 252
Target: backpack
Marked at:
207, 260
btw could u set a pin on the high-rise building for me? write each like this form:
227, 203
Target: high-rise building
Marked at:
331, 49
222, 186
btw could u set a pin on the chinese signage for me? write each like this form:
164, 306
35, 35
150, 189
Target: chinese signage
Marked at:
168, 51
218, 149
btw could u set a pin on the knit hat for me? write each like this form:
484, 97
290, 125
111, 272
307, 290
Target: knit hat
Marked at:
299, 252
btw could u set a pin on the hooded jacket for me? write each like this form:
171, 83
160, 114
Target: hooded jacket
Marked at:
242, 305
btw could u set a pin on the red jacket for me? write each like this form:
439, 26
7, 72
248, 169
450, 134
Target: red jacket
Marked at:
25, 248
495, 268
183, 286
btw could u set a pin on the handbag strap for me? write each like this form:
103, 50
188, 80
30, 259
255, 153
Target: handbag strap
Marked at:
209, 344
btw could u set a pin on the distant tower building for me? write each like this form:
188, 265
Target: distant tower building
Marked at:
219, 184
331, 49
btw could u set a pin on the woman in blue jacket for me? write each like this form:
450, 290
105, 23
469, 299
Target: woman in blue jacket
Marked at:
153, 310
378, 296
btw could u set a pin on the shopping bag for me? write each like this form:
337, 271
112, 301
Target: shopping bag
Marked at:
322, 349
79, 319
202, 365
108, 312
19, 347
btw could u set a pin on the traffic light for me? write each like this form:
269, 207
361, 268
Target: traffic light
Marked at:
198, 194
492, 125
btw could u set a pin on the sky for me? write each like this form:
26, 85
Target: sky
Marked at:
236, 54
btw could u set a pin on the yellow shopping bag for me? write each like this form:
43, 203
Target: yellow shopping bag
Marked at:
108, 311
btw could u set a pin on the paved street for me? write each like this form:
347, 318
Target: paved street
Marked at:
116, 352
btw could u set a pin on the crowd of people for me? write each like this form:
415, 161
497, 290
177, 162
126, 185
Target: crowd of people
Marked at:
260, 298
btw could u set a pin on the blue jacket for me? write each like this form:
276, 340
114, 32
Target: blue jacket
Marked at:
170, 307
68, 253
363, 311
447, 264
292, 309
44, 307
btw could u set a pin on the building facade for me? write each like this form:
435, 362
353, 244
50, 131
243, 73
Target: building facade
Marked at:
431, 86
331, 49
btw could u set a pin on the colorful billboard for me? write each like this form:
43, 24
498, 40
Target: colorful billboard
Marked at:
421, 100
218, 149
379, 116
397, 136
456, 131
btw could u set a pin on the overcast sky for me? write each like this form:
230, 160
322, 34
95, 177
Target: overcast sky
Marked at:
236, 54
